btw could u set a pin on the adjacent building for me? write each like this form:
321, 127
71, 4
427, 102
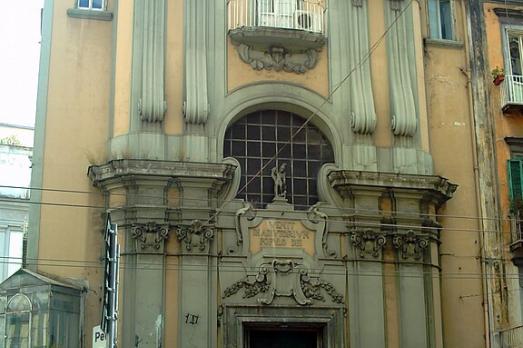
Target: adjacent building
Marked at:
15, 166
499, 40
280, 171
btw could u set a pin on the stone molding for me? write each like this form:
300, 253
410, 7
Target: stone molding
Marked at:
196, 105
197, 234
427, 186
149, 236
284, 278
151, 19
119, 169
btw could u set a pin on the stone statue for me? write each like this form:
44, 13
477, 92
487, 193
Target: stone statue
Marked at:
280, 187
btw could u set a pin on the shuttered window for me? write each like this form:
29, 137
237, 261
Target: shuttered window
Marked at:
515, 172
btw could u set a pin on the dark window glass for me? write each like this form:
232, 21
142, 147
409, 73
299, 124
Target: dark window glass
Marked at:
255, 139
445, 11
83, 3
515, 58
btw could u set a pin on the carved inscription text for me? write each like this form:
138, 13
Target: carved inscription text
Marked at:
273, 233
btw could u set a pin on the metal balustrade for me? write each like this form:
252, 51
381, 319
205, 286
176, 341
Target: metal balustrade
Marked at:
512, 91
306, 15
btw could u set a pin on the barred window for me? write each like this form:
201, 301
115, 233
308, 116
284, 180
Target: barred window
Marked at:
265, 138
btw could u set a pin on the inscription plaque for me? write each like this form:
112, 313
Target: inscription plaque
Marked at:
272, 233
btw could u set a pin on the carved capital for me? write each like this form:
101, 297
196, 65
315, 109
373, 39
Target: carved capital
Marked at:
368, 242
150, 236
410, 245
197, 234
278, 59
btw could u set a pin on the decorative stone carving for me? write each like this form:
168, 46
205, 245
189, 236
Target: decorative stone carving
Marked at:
278, 59
196, 106
410, 245
152, 104
368, 242
242, 211
203, 233
252, 285
284, 278
279, 177
149, 236
402, 70
363, 113
317, 214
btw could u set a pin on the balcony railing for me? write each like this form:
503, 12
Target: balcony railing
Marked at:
512, 93
305, 15
516, 228
512, 338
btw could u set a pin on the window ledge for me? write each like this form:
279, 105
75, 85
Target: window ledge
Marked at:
443, 43
90, 14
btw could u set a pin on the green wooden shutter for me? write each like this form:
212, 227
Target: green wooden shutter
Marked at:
515, 172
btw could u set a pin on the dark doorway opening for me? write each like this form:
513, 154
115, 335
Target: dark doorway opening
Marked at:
271, 337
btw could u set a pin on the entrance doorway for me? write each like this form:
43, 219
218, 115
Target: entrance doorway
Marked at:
258, 337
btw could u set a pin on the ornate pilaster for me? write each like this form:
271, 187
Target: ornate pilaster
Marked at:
363, 115
348, 55
402, 68
196, 107
151, 21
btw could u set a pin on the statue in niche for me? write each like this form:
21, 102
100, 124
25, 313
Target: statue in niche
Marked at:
280, 186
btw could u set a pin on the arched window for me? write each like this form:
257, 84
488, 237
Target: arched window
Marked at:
260, 136
18, 319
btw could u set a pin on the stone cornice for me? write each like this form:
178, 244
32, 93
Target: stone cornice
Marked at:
168, 169
346, 180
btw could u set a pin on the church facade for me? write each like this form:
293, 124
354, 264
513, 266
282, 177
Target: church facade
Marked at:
281, 172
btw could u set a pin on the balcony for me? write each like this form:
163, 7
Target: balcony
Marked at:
516, 230
512, 94
278, 34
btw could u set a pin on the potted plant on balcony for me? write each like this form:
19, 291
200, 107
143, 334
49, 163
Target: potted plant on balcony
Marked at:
498, 74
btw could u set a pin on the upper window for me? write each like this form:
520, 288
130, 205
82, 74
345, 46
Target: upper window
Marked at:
441, 19
91, 4
515, 46
266, 139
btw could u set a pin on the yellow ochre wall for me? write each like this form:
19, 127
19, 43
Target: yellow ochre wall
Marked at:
70, 243
451, 144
